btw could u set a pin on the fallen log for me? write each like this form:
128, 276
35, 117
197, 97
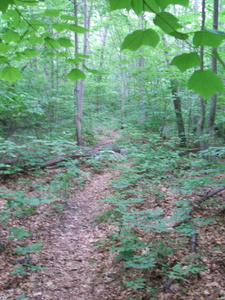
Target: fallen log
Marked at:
44, 162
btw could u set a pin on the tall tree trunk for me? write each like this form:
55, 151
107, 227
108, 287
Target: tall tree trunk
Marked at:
177, 105
201, 122
99, 89
178, 113
141, 81
79, 86
212, 113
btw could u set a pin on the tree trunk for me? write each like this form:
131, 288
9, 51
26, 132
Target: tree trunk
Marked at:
141, 81
79, 86
177, 106
212, 113
178, 113
201, 122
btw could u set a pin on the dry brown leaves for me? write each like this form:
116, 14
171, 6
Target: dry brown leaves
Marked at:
75, 267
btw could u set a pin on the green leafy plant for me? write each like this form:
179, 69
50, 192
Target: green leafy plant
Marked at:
137, 283
19, 233
28, 249
180, 271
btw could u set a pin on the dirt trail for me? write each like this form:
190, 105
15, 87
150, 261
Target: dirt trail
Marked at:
72, 260
72, 256
73, 266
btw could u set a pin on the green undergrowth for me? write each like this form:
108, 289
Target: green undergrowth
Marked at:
15, 157
152, 193
36, 193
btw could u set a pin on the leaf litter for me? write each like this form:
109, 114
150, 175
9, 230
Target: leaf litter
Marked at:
75, 258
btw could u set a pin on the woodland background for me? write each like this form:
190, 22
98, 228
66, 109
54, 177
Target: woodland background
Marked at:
131, 88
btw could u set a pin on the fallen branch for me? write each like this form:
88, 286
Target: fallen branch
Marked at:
169, 282
210, 194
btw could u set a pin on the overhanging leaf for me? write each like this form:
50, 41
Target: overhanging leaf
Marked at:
30, 53
186, 61
140, 38
167, 22
207, 38
61, 26
151, 5
10, 74
36, 24
36, 40
62, 54
11, 37
51, 13
3, 59
65, 42
76, 74
118, 4
68, 18
4, 4
206, 83
137, 6
74, 61
51, 43
164, 3
92, 71
78, 29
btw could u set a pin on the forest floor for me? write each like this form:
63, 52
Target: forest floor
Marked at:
77, 263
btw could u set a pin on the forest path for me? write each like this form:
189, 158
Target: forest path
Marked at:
72, 260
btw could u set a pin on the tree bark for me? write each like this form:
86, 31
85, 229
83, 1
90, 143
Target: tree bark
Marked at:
201, 122
178, 113
212, 113
141, 85
79, 86
177, 106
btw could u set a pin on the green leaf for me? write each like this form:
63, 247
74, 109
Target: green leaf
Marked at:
78, 29
140, 38
186, 61
167, 22
36, 40
147, 5
50, 54
3, 59
206, 83
19, 233
74, 61
10, 74
164, 3
29, 249
60, 26
11, 37
151, 5
62, 54
82, 55
51, 13
36, 24
179, 35
68, 18
51, 43
207, 38
4, 4
137, 6
118, 4
92, 71
30, 53
76, 74
65, 42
